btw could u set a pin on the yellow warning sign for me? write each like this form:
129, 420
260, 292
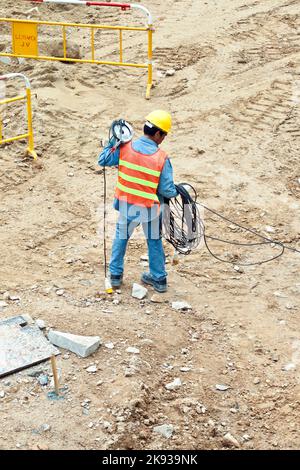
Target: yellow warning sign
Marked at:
25, 39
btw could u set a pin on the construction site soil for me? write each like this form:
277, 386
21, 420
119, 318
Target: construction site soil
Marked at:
229, 73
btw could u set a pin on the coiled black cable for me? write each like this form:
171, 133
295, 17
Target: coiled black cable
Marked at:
184, 228
182, 224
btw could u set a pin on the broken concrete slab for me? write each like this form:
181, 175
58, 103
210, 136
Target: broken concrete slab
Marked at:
81, 345
22, 346
18, 320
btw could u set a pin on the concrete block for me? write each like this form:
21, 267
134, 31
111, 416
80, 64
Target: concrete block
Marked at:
81, 345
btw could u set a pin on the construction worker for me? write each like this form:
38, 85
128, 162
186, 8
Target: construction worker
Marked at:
145, 178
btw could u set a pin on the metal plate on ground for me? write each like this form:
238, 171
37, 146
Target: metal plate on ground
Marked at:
22, 347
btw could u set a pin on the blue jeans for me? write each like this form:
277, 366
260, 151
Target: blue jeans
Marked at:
152, 232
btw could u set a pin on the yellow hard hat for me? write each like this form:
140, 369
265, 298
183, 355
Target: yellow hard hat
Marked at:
160, 119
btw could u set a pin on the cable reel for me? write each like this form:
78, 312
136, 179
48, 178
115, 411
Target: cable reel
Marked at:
121, 131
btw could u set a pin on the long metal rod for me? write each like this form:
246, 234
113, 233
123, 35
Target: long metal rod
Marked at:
12, 139
123, 6
12, 100
82, 61
78, 25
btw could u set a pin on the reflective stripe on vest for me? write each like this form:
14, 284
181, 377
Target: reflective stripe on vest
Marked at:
139, 175
136, 192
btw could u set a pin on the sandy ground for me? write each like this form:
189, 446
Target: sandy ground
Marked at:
234, 95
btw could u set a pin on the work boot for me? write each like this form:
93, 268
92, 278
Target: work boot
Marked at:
159, 286
116, 281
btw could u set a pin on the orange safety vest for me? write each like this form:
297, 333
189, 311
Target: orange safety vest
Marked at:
138, 176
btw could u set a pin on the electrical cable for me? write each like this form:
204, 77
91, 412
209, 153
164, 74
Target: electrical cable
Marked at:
120, 132
182, 224
184, 228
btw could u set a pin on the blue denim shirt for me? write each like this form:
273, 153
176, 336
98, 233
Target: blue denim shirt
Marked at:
166, 187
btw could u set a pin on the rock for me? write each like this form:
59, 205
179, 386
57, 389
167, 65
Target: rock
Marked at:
41, 324
165, 430
2, 394
256, 381
222, 388
200, 409
43, 379
14, 298
5, 60
81, 345
289, 366
60, 292
45, 427
138, 291
157, 299
133, 350
109, 345
144, 258
269, 229
230, 441
92, 369
174, 385
185, 369
181, 306
238, 269
170, 72
41, 446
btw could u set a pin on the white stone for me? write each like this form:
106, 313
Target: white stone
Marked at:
165, 430
185, 369
144, 258
230, 441
92, 369
289, 366
5, 60
81, 345
109, 345
222, 388
238, 269
269, 229
41, 324
133, 350
60, 292
200, 409
157, 299
138, 291
170, 72
181, 306
174, 385
2, 394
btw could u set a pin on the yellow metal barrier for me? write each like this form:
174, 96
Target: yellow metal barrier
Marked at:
25, 39
27, 98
